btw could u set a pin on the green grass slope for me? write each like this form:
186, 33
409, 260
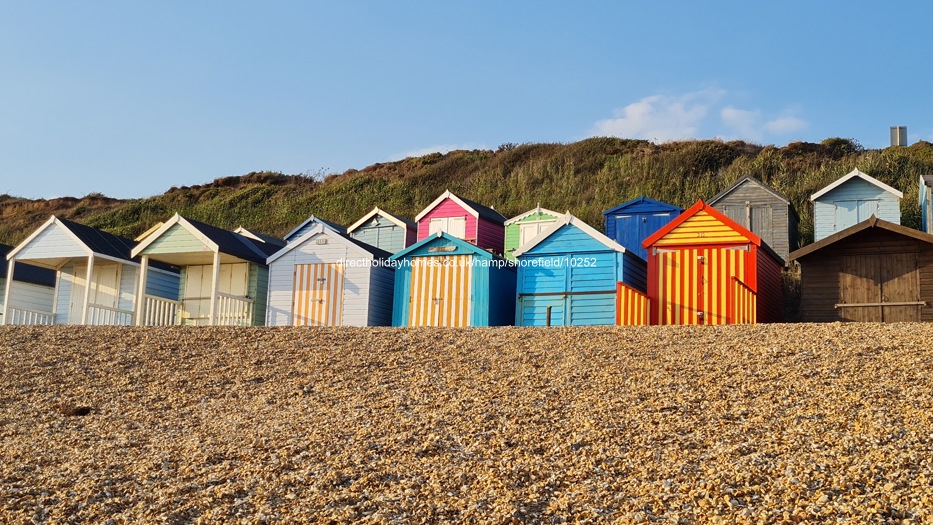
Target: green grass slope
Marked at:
585, 177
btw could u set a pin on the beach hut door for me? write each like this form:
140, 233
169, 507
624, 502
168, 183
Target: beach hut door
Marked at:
440, 291
870, 283
318, 296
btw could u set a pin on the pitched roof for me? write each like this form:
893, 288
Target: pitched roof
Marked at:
871, 222
332, 225
398, 221
218, 239
752, 180
640, 201
565, 220
260, 236
99, 241
477, 210
851, 175
454, 240
26, 273
531, 212
377, 253
718, 215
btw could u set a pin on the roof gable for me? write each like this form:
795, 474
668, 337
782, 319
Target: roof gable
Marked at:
530, 213
569, 220
215, 239
398, 221
701, 224
856, 174
477, 210
871, 222
441, 237
343, 238
645, 205
746, 180
292, 235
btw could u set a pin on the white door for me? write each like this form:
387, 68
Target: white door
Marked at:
455, 226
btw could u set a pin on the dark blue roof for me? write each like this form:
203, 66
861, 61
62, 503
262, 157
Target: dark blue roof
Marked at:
26, 273
100, 241
643, 205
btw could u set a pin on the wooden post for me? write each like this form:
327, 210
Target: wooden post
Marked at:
87, 288
6, 291
548, 316
141, 290
215, 284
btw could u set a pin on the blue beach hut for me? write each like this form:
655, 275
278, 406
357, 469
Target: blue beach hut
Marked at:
632, 222
567, 276
445, 281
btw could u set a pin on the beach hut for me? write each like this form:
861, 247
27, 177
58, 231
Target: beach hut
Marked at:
97, 279
851, 200
224, 277
874, 271
567, 276
384, 231
632, 222
445, 281
926, 203
463, 219
309, 224
762, 210
35, 290
327, 278
704, 268
522, 228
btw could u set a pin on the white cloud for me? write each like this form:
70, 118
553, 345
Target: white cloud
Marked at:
661, 117
784, 125
742, 120
694, 115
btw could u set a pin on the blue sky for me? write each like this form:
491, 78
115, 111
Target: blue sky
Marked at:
129, 98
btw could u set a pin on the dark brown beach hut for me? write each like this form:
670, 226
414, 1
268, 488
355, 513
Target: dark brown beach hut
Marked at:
874, 271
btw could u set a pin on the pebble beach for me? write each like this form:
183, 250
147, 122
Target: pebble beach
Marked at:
788, 423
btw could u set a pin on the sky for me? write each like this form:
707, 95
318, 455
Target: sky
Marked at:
129, 98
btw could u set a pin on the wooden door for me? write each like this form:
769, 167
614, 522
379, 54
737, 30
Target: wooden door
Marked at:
104, 289
860, 286
454, 226
196, 297
900, 283
869, 281
318, 295
232, 279
694, 283
440, 291
762, 223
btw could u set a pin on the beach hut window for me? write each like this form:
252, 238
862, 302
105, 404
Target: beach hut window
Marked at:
455, 226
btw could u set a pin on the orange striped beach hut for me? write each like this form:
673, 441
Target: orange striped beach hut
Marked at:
705, 268
446, 281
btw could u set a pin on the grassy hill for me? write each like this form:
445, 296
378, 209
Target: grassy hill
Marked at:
584, 177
